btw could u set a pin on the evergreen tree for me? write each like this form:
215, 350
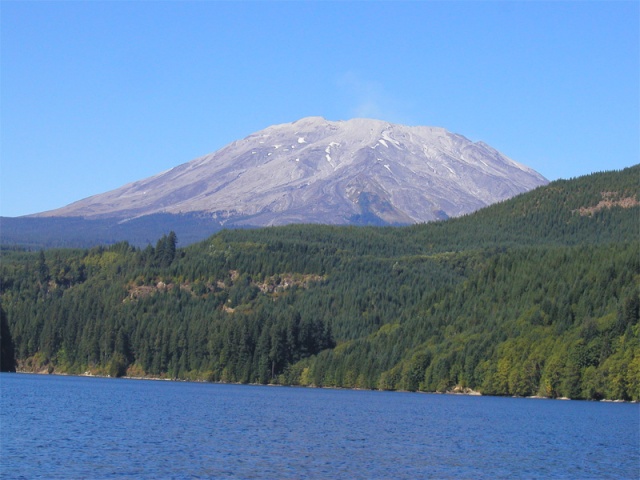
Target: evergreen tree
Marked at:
7, 352
43, 270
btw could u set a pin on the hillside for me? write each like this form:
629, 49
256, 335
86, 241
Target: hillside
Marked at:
537, 295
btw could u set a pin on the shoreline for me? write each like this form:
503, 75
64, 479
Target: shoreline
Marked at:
456, 391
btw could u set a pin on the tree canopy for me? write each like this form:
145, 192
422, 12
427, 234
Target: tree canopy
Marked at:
537, 295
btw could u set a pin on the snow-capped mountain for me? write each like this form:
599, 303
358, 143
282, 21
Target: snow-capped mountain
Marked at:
320, 171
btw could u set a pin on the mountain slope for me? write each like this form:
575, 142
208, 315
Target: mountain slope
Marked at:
318, 171
535, 295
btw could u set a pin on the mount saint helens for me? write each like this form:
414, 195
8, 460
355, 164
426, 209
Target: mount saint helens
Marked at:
359, 171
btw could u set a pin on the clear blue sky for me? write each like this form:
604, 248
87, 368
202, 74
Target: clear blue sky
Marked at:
98, 94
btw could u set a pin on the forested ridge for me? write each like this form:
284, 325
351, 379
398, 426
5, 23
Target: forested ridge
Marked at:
537, 295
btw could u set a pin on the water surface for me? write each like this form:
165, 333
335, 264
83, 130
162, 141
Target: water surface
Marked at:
80, 427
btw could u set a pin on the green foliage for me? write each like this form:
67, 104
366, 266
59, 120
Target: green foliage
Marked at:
7, 350
535, 296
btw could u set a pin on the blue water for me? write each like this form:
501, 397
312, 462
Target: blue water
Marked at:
78, 427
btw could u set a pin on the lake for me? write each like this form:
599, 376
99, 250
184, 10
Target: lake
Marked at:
82, 427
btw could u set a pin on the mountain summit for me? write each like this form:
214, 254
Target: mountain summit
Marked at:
319, 171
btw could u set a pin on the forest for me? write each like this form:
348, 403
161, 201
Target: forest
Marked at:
534, 296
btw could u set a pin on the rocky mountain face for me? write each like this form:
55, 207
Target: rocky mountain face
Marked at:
319, 171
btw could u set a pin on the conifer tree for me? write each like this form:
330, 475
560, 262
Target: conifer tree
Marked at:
7, 353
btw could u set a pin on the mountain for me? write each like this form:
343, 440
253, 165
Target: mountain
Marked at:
357, 172
318, 171
536, 295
